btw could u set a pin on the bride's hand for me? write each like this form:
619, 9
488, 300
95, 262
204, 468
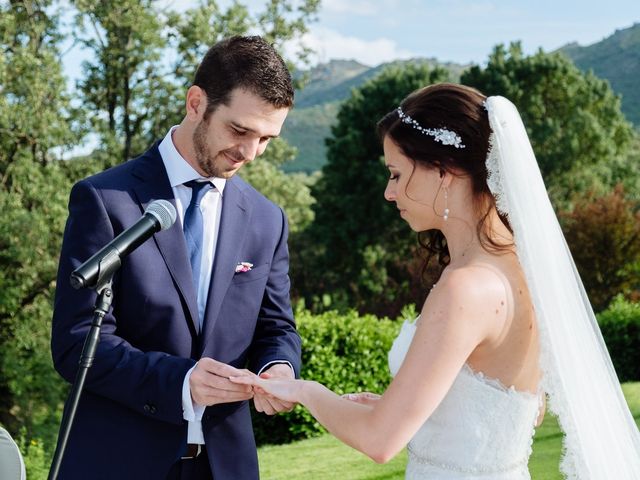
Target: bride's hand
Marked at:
288, 390
366, 398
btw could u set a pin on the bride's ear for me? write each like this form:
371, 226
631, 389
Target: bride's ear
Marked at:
447, 178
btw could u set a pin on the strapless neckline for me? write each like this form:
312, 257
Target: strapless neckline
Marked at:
480, 376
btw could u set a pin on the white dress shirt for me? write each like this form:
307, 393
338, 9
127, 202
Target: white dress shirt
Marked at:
179, 172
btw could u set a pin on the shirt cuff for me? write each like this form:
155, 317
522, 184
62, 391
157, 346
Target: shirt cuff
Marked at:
275, 362
192, 412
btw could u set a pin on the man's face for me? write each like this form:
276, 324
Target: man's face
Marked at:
235, 134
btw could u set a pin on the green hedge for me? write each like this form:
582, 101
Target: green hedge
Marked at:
620, 325
345, 352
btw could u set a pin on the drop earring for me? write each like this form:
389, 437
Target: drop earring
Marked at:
446, 204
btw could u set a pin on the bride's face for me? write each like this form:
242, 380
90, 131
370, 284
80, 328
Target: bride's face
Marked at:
416, 190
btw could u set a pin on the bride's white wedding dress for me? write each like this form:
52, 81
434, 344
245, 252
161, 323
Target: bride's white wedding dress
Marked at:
482, 430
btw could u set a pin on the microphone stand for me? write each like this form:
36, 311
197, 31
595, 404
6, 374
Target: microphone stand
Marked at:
101, 308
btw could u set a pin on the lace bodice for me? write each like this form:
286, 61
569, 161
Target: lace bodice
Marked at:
481, 429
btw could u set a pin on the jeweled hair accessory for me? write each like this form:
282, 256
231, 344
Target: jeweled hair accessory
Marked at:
442, 135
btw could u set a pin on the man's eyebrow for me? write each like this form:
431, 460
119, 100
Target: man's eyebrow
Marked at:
251, 130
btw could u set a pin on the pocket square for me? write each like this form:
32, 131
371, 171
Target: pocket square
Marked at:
243, 267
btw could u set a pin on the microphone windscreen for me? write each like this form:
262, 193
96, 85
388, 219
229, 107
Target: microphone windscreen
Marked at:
164, 211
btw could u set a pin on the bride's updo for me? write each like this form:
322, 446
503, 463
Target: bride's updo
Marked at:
456, 109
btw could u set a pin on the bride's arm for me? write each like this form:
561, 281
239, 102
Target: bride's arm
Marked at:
467, 307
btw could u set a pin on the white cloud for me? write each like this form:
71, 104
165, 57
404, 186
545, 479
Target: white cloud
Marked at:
328, 44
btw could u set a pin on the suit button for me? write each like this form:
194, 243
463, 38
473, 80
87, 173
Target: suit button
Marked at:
149, 408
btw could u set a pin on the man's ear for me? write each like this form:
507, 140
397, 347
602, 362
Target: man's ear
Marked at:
196, 103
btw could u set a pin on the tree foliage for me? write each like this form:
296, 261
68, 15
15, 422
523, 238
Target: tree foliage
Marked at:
573, 118
34, 108
30, 236
122, 81
35, 119
620, 325
144, 56
603, 233
291, 191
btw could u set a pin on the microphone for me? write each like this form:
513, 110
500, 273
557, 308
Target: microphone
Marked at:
159, 215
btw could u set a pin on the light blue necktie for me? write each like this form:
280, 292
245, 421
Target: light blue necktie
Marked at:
193, 234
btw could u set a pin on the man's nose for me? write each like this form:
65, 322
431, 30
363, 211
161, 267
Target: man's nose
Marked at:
249, 149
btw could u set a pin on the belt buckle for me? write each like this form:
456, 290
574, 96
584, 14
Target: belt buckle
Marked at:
193, 451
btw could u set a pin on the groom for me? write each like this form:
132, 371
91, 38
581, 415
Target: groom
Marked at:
195, 304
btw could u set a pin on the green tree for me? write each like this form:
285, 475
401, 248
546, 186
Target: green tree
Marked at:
573, 118
34, 206
144, 57
358, 246
190, 34
35, 121
291, 191
603, 232
31, 82
125, 79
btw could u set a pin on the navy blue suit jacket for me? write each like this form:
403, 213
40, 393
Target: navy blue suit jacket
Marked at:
129, 422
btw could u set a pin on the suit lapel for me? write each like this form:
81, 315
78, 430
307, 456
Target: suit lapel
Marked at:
171, 243
236, 212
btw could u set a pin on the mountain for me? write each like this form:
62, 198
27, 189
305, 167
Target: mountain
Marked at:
329, 82
616, 59
333, 81
317, 105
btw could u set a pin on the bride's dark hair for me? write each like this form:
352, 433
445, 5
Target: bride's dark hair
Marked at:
460, 109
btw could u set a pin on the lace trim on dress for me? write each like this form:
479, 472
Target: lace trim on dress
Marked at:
497, 383
481, 377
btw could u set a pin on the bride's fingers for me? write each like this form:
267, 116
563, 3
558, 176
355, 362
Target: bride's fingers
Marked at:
260, 391
245, 380
259, 384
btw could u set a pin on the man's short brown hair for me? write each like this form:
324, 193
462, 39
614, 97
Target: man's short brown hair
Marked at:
243, 62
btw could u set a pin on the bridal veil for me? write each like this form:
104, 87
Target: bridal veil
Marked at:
601, 437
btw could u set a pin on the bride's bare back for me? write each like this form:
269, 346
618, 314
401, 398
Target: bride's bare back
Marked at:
511, 355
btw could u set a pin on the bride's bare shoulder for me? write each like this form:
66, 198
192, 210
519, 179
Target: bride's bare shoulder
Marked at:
476, 291
476, 281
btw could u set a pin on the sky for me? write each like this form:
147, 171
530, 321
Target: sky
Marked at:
462, 31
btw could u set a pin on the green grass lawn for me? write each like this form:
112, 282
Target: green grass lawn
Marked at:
325, 458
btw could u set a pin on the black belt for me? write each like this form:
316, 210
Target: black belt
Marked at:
193, 451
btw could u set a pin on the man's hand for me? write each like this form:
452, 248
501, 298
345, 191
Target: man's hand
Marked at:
210, 385
268, 404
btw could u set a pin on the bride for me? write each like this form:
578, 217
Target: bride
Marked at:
506, 325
